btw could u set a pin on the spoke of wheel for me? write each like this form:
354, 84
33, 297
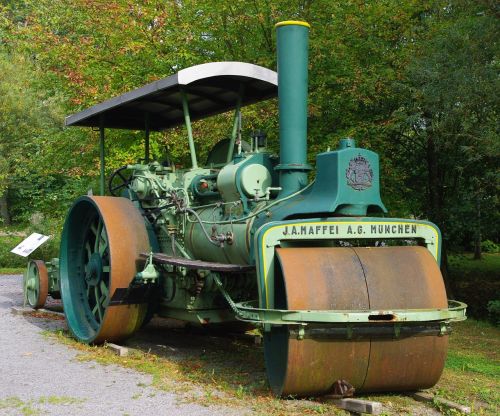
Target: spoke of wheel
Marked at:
98, 236
116, 188
93, 228
88, 249
122, 177
104, 297
104, 240
98, 306
106, 269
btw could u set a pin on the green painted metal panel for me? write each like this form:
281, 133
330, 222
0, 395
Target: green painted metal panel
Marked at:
325, 230
347, 181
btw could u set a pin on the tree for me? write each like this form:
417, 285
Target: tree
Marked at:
413, 80
22, 115
449, 121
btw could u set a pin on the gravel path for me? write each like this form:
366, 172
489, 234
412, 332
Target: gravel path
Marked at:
41, 376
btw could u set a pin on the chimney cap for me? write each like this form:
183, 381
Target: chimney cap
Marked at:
292, 22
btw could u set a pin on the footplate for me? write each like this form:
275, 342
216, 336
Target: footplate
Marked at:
160, 258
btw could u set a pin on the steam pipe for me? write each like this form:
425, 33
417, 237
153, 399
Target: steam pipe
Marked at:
102, 158
292, 43
146, 138
187, 120
236, 124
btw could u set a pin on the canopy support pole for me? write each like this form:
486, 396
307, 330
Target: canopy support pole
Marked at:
236, 124
146, 139
101, 155
187, 120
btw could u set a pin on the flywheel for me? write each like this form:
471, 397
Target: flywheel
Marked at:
100, 247
382, 278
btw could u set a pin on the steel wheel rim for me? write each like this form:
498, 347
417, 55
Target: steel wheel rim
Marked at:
101, 242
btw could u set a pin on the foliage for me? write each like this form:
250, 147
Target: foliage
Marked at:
37, 169
47, 251
489, 246
446, 131
415, 81
494, 311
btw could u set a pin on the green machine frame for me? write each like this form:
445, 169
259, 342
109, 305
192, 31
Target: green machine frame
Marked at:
271, 235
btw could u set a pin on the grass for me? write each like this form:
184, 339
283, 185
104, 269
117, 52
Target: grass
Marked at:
472, 372
476, 282
464, 267
231, 373
12, 270
34, 407
25, 408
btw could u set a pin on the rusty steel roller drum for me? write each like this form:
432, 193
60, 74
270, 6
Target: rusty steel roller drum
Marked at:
100, 247
382, 278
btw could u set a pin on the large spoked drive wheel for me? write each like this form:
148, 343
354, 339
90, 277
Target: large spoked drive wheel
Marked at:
36, 284
101, 243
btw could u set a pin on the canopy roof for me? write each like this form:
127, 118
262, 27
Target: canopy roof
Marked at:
210, 88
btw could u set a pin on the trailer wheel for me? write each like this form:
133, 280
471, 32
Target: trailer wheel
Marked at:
36, 284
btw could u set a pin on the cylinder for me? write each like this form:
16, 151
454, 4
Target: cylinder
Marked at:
292, 43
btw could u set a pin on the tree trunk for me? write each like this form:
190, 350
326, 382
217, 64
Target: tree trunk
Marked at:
435, 194
4, 209
445, 271
434, 211
478, 237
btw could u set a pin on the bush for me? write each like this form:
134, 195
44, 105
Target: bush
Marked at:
494, 311
12, 237
488, 246
46, 252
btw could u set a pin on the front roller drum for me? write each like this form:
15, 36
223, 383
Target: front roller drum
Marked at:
100, 252
355, 279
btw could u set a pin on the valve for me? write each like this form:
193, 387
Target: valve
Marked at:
149, 274
223, 238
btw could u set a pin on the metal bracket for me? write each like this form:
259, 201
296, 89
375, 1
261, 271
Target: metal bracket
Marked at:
247, 311
351, 323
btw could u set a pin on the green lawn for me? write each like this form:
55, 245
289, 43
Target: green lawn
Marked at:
472, 372
475, 282
464, 267
11, 270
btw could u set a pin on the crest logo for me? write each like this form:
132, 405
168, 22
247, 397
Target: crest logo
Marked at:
359, 174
